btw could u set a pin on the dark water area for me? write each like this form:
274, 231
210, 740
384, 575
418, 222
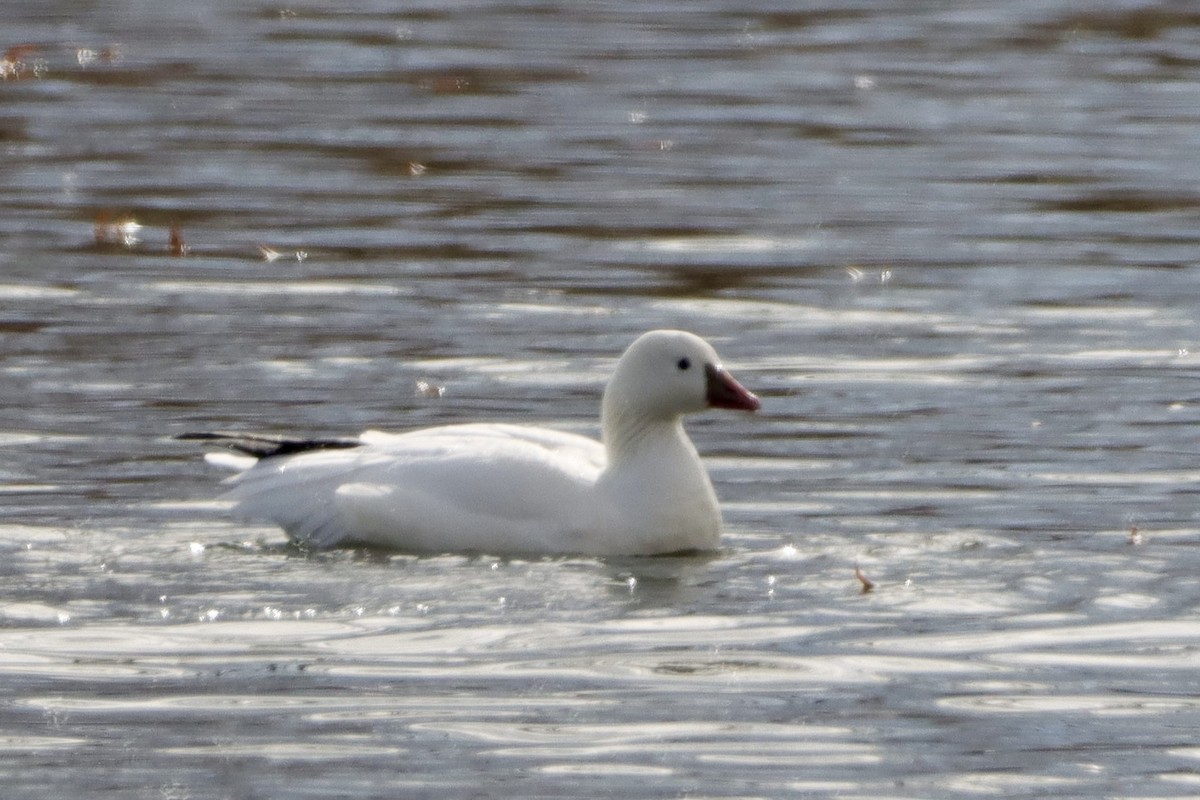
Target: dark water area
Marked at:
953, 246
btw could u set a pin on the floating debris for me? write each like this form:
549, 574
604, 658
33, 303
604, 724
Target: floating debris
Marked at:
24, 60
127, 229
271, 255
857, 274
86, 56
175, 244
108, 229
16, 63
427, 389
447, 84
1135, 536
101, 226
868, 585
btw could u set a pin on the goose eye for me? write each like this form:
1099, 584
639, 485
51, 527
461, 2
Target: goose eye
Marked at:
683, 364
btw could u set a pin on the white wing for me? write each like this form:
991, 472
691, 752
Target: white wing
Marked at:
458, 487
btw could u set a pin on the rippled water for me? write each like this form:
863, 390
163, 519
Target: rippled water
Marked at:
953, 247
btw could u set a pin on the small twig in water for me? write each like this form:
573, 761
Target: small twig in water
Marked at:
867, 584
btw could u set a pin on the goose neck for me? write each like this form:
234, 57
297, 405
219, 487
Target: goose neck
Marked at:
629, 435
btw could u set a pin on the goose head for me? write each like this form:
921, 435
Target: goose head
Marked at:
665, 374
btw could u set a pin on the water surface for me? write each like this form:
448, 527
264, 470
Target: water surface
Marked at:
952, 248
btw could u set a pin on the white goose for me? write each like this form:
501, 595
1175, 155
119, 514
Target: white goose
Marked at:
509, 489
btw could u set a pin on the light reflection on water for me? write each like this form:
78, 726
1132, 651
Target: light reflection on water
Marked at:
937, 241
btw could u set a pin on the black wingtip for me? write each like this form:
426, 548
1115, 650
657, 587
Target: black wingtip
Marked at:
202, 436
266, 445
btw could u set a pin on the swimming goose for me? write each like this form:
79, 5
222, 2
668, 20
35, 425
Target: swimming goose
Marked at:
504, 488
